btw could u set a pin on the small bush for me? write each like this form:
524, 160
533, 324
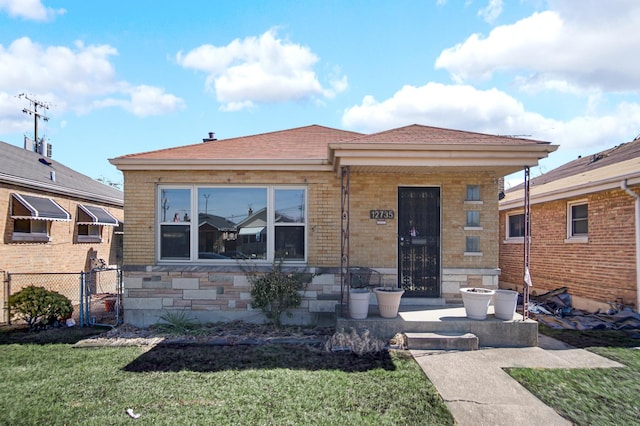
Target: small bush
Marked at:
177, 322
276, 292
38, 306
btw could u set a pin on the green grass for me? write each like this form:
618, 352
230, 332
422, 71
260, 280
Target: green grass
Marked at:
55, 384
591, 396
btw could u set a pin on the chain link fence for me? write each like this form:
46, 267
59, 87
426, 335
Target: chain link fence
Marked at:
96, 295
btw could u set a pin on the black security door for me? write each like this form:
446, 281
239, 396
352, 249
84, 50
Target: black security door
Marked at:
419, 241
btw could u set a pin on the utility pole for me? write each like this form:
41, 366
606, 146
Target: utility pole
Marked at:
34, 104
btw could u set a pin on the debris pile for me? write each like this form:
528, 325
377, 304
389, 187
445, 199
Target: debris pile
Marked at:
554, 310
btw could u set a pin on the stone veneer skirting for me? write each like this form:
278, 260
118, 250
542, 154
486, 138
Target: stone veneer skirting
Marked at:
223, 293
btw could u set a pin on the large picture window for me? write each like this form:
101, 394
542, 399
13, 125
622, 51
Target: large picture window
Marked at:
251, 223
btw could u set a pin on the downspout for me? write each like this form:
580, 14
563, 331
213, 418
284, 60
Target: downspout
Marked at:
623, 185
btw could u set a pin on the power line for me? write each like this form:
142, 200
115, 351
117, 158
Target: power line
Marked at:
34, 104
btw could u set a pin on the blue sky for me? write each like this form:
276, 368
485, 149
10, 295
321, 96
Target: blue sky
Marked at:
123, 77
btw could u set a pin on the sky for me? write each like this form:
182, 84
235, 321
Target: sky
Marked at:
122, 77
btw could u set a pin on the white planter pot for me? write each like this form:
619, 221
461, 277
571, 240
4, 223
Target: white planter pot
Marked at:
388, 301
476, 301
359, 303
504, 304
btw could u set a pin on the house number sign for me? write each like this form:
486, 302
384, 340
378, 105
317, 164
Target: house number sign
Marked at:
381, 214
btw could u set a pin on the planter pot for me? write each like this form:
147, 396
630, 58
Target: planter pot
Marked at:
388, 301
504, 304
359, 303
476, 301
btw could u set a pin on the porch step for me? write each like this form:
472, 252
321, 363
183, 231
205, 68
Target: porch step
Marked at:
442, 341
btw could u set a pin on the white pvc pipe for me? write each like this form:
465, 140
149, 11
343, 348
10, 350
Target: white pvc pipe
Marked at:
623, 185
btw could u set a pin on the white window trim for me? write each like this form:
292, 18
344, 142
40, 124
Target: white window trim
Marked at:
271, 225
580, 238
509, 239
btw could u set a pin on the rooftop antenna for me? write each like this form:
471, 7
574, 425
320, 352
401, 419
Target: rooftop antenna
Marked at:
34, 104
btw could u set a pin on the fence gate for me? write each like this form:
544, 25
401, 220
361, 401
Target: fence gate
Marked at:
101, 292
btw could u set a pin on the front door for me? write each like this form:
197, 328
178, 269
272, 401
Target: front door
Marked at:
419, 241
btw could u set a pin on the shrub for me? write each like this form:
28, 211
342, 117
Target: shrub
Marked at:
276, 292
38, 306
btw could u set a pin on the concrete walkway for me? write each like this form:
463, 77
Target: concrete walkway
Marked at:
478, 392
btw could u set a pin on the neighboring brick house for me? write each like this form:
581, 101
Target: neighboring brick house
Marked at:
55, 219
419, 204
583, 232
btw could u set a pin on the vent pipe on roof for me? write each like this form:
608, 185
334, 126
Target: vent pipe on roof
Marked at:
52, 175
211, 138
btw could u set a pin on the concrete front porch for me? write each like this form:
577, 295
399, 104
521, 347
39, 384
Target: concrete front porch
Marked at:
448, 320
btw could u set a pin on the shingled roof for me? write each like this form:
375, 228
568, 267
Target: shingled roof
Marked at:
414, 148
32, 170
586, 174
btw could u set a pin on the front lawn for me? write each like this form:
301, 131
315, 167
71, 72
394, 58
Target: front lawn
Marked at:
269, 384
607, 396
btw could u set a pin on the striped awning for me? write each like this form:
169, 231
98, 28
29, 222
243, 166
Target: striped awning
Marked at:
94, 215
40, 208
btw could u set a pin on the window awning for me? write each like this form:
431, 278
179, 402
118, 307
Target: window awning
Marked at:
251, 230
41, 208
93, 215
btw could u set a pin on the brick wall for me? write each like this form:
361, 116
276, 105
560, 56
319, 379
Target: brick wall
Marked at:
601, 269
152, 288
62, 253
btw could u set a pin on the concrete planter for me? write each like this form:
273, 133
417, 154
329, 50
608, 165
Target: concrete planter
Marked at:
388, 301
359, 303
504, 304
476, 301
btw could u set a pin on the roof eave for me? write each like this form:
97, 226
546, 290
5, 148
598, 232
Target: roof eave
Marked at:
57, 189
515, 199
124, 164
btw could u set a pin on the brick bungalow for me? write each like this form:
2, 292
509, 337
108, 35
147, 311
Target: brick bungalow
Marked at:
418, 204
584, 229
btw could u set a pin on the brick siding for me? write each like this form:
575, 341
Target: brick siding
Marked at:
601, 269
62, 253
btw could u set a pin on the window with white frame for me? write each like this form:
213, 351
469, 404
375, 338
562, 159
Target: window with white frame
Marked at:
217, 223
515, 225
577, 220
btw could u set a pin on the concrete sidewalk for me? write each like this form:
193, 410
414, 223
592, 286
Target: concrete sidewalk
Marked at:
478, 392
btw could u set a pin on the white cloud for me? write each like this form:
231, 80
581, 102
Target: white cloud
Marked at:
78, 78
491, 111
142, 101
491, 11
32, 10
591, 47
264, 69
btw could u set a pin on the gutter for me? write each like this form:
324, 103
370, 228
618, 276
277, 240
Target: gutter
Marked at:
623, 185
